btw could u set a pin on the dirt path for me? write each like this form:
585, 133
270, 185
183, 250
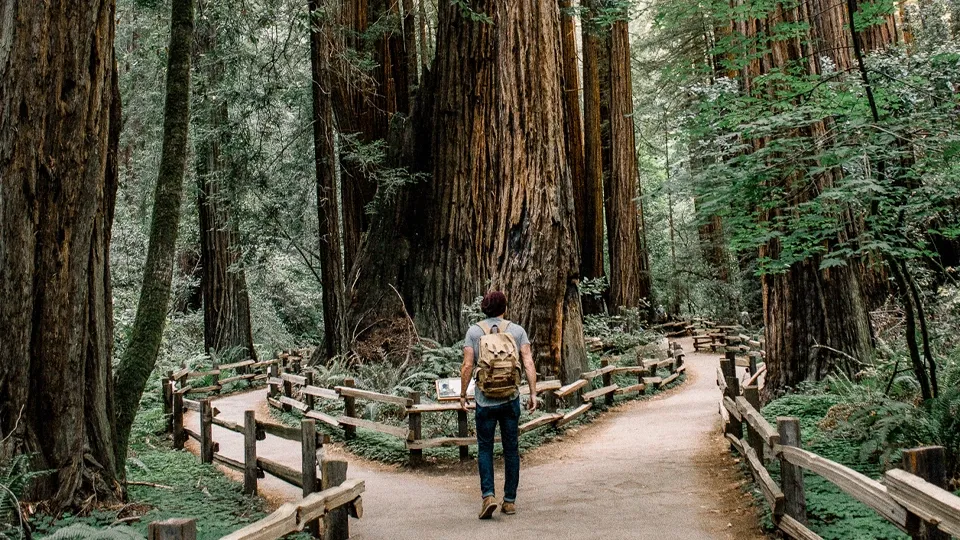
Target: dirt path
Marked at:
655, 469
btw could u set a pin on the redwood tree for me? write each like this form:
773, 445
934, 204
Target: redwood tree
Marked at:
331, 259
59, 128
629, 263
592, 241
498, 209
223, 283
809, 312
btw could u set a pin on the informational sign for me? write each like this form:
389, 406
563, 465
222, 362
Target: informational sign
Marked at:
449, 389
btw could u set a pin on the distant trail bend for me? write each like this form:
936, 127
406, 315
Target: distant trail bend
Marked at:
656, 469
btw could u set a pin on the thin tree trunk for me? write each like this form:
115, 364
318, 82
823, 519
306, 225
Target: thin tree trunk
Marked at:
573, 128
330, 249
59, 129
592, 241
629, 265
140, 356
226, 301
410, 43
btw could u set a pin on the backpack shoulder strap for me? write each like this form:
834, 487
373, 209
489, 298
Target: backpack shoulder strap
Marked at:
485, 327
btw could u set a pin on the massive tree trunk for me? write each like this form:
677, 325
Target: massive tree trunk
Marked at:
498, 210
592, 241
629, 264
140, 356
59, 129
223, 283
808, 313
328, 216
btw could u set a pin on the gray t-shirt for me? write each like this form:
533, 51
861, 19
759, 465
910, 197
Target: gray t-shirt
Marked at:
473, 340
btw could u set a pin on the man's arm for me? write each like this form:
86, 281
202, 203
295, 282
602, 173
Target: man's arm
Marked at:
526, 354
466, 372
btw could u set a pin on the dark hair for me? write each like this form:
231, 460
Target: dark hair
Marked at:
494, 303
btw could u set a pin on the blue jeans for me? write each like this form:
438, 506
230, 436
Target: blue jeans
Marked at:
508, 416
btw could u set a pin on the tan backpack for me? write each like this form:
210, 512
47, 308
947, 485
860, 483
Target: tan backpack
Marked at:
498, 364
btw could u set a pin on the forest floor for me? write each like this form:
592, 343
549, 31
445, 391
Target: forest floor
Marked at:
655, 468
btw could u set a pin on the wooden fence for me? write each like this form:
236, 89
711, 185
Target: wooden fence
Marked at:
291, 387
327, 493
912, 499
324, 514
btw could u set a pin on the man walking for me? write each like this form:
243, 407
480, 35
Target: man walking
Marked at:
496, 346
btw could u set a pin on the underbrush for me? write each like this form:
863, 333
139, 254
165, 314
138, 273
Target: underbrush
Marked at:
861, 427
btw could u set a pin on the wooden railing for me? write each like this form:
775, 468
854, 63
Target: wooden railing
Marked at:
331, 507
913, 499
289, 391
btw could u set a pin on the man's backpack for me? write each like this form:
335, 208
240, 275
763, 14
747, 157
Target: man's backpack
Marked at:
498, 364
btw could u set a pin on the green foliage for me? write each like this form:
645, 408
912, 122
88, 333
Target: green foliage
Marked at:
195, 490
470, 14
16, 475
82, 531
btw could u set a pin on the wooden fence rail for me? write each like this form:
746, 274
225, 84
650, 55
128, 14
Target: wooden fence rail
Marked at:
289, 391
914, 500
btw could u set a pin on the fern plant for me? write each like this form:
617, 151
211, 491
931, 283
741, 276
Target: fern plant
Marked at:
16, 475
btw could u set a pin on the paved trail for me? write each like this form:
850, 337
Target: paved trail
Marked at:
655, 469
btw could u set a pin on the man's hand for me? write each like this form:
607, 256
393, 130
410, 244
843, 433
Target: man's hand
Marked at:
532, 403
463, 403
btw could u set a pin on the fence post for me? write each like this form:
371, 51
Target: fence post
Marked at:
250, 452
728, 367
791, 476
416, 429
308, 398
206, 431
308, 441
173, 529
462, 431
349, 409
929, 463
753, 365
335, 523
178, 439
752, 394
549, 399
215, 378
273, 372
607, 379
287, 392
166, 394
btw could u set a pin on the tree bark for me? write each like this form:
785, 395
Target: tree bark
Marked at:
629, 264
328, 215
365, 103
140, 356
809, 313
223, 283
59, 132
573, 127
498, 209
592, 241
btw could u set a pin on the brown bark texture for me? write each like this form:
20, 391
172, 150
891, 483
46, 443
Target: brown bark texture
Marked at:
364, 103
592, 240
59, 130
328, 216
629, 263
223, 283
573, 127
809, 314
498, 210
